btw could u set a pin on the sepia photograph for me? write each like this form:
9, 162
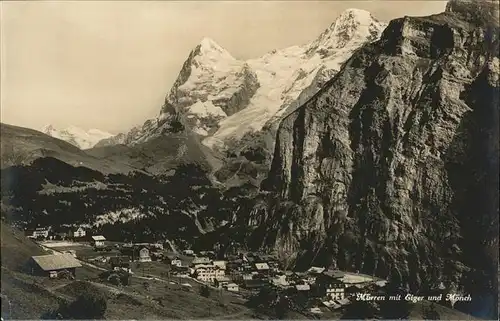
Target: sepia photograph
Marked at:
250, 160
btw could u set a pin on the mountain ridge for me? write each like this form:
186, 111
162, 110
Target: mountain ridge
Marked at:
224, 98
83, 139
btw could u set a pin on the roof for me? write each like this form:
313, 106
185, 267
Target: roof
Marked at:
316, 270
98, 238
206, 266
356, 278
343, 301
261, 266
303, 287
56, 262
334, 274
331, 304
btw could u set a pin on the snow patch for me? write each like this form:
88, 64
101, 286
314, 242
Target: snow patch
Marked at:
205, 109
121, 216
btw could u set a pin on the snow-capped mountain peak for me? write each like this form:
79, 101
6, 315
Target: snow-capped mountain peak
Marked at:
222, 98
47, 129
352, 28
208, 45
77, 136
210, 52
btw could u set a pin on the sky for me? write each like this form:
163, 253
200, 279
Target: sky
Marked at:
109, 64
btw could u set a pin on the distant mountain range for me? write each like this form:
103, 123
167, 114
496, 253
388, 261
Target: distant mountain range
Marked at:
81, 138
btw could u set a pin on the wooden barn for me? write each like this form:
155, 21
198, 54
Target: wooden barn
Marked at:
53, 264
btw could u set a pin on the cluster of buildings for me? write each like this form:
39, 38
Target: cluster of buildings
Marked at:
143, 252
250, 272
60, 233
243, 271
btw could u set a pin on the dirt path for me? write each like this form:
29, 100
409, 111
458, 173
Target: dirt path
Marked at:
110, 288
57, 287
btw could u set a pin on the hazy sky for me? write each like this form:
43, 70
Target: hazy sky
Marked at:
109, 65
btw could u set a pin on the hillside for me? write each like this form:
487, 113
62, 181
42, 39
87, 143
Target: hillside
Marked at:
21, 145
161, 154
180, 206
16, 248
21, 297
156, 156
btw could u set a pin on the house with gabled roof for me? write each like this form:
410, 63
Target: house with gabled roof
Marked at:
78, 232
52, 264
98, 240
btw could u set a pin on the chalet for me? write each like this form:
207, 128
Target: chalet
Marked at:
53, 264
314, 270
279, 280
233, 287
200, 260
78, 232
98, 240
262, 267
176, 262
144, 255
120, 263
302, 287
39, 232
221, 282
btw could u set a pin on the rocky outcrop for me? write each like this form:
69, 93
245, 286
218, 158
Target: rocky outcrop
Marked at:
242, 95
391, 168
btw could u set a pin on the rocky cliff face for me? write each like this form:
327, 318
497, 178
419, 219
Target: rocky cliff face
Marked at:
392, 168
